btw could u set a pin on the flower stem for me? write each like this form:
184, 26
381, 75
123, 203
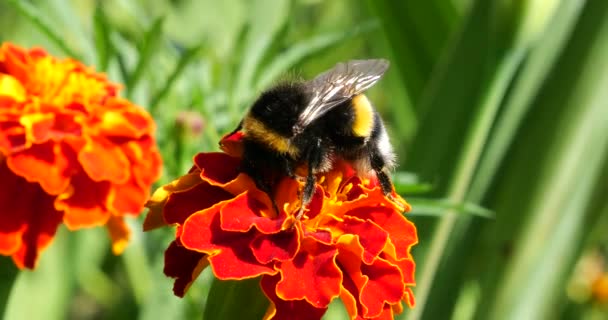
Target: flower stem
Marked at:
8, 274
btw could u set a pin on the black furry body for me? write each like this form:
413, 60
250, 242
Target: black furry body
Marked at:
315, 123
318, 145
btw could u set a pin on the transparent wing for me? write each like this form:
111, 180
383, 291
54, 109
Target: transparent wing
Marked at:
334, 86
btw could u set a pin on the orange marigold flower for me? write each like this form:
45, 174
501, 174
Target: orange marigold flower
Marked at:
352, 242
71, 151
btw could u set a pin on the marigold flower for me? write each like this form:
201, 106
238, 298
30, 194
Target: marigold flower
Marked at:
71, 151
351, 243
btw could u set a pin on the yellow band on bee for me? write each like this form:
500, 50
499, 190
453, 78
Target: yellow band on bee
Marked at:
277, 142
364, 116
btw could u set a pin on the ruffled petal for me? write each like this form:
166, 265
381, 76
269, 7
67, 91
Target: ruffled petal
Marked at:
292, 309
184, 265
28, 220
229, 254
312, 275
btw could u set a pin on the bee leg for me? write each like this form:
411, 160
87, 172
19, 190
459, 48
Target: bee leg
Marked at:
289, 170
379, 166
314, 157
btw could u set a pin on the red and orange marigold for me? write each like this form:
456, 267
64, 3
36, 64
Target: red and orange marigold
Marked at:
71, 151
351, 243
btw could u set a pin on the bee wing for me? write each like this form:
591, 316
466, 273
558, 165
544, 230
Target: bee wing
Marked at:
334, 86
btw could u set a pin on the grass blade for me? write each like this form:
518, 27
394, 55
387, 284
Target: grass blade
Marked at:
306, 48
148, 45
185, 59
32, 14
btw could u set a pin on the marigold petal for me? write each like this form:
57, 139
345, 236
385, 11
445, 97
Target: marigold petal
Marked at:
216, 167
246, 211
145, 159
409, 297
50, 164
28, 220
373, 285
407, 267
281, 309
104, 162
156, 203
401, 232
122, 122
184, 265
312, 274
232, 144
119, 233
278, 247
84, 203
15, 197
180, 205
127, 198
229, 253
370, 236
10, 87
12, 135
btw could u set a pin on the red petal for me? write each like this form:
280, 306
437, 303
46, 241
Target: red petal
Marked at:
373, 285
184, 265
409, 297
28, 220
155, 217
104, 162
180, 205
245, 212
145, 160
370, 236
217, 167
84, 203
119, 233
401, 232
229, 253
50, 164
128, 198
279, 246
291, 310
312, 275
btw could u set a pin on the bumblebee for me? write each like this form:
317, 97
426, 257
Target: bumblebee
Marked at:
313, 124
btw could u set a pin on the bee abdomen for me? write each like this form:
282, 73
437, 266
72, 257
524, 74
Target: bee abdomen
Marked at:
363, 121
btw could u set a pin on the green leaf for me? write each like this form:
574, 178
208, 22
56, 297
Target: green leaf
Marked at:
306, 48
147, 47
439, 207
241, 299
261, 32
407, 183
32, 14
574, 105
103, 44
417, 32
185, 59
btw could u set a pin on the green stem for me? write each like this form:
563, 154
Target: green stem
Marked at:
8, 274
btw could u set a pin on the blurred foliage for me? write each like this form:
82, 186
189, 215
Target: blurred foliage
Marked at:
496, 108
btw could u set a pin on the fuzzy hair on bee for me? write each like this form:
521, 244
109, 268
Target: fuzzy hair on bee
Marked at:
314, 124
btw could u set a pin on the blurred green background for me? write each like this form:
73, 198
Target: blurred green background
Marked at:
498, 111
